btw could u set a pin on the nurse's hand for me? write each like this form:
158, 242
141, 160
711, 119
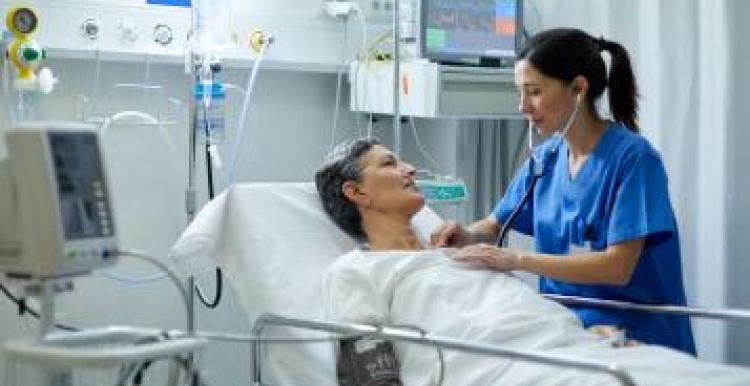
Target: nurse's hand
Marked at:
488, 255
450, 234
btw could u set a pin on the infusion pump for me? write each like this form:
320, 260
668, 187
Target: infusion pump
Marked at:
55, 207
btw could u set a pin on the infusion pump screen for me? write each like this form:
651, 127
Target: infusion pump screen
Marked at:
82, 193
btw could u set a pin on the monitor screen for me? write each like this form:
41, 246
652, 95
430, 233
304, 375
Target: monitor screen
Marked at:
78, 171
475, 32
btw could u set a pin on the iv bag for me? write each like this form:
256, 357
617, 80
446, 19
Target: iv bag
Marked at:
211, 25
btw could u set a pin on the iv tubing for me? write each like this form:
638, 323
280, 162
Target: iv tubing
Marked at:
243, 116
8, 96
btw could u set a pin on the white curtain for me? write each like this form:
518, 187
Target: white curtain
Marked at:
688, 57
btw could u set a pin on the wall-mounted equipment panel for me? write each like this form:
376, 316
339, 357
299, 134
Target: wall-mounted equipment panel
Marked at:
431, 90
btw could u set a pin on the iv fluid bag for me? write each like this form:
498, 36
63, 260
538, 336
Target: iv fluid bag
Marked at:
212, 24
210, 120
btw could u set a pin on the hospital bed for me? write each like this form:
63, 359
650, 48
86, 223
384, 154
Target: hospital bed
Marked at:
274, 243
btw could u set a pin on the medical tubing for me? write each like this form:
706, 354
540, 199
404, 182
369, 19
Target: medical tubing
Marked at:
337, 98
6, 91
245, 107
421, 148
133, 280
366, 60
139, 368
507, 223
147, 76
337, 101
209, 172
209, 167
219, 290
23, 308
125, 372
219, 274
363, 22
147, 118
172, 276
97, 77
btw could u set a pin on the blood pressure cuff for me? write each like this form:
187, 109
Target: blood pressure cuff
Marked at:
364, 361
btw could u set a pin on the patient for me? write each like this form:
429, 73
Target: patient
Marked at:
394, 280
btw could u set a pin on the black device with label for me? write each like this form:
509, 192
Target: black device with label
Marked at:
365, 361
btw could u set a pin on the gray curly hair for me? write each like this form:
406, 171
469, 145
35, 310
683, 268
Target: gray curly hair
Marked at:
342, 165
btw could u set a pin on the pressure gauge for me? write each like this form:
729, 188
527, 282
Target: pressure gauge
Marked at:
163, 34
22, 21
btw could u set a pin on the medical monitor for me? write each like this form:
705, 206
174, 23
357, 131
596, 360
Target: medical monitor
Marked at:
56, 197
470, 32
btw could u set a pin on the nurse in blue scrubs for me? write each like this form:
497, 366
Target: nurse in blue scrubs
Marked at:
599, 211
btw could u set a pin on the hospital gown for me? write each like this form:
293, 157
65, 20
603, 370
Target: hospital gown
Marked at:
449, 299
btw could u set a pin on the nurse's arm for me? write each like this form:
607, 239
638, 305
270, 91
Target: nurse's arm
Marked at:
485, 230
452, 234
613, 266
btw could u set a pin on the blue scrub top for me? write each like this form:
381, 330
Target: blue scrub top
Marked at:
619, 194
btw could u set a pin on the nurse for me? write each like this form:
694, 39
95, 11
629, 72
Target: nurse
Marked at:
599, 211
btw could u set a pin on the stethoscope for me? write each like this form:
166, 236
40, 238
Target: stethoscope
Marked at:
538, 164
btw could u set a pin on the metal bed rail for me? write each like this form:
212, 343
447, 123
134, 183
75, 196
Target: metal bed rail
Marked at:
722, 314
396, 334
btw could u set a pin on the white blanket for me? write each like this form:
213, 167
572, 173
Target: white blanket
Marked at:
427, 290
274, 242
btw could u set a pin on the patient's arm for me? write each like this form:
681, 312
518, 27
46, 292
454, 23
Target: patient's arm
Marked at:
349, 294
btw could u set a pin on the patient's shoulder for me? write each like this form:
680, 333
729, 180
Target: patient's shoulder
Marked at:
348, 264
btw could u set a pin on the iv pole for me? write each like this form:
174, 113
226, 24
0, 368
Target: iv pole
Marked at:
397, 77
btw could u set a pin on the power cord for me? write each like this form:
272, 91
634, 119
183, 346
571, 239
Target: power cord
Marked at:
219, 290
209, 169
23, 308
170, 274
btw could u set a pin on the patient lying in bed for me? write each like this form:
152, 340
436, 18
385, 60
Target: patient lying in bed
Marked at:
394, 280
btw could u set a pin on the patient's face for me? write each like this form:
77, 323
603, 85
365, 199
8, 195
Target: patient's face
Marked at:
389, 182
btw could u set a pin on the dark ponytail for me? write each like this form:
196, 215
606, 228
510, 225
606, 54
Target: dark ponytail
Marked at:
565, 53
623, 91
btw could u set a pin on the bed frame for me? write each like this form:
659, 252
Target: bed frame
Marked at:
401, 335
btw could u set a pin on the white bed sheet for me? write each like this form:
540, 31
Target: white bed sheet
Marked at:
428, 290
274, 243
